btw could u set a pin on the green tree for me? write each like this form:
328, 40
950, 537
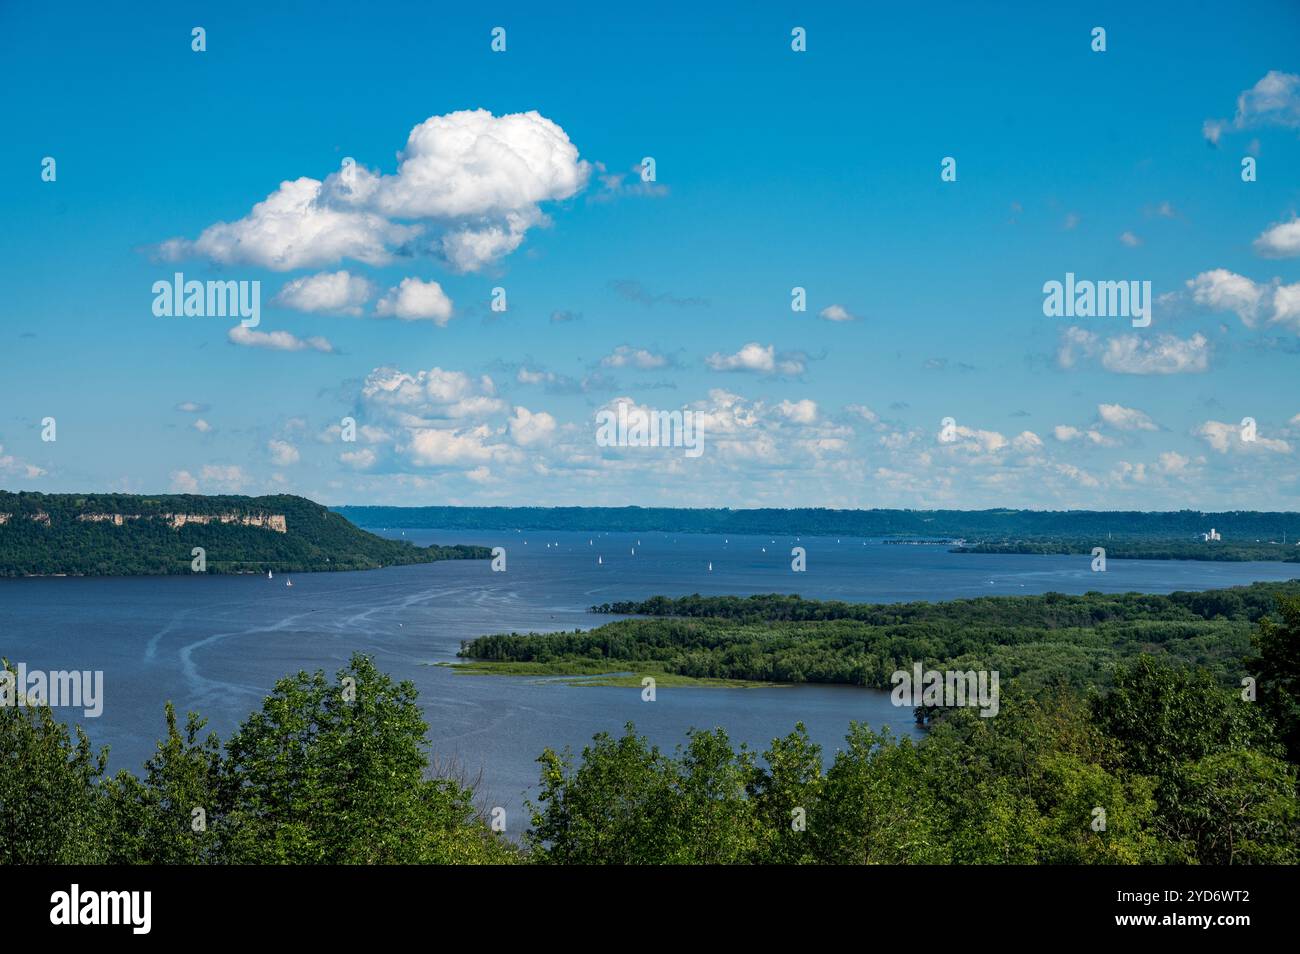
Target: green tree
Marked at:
614, 807
1162, 716
714, 821
875, 806
50, 811
153, 820
1237, 808
1277, 666
783, 795
333, 774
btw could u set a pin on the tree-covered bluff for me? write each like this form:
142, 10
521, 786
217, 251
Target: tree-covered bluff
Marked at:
132, 534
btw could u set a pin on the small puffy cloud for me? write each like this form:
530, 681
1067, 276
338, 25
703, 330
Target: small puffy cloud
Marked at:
624, 356
1125, 418
200, 425
183, 482
1126, 472
526, 376
1129, 239
191, 407
276, 340
1135, 354
437, 447
862, 411
340, 293
362, 459
1281, 240
1286, 305
800, 412
1066, 433
1167, 354
415, 300
212, 477
1223, 437
1273, 101
756, 358
10, 465
1222, 290
1026, 442
528, 428
976, 441
837, 313
1076, 475
1172, 462
426, 396
283, 454
1075, 343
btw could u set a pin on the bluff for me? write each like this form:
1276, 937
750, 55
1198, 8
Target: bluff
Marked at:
129, 534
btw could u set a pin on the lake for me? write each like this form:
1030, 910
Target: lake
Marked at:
217, 644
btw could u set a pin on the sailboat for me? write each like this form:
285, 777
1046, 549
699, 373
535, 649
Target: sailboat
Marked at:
599, 560
710, 566
268, 575
634, 551
288, 582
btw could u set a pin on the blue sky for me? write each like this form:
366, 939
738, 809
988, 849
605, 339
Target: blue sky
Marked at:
774, 169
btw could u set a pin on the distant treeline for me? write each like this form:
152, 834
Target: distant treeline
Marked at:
1039, 640
1128, 549
999, 525
41, 534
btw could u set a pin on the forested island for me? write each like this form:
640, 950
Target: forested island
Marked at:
130, 534
1038, 640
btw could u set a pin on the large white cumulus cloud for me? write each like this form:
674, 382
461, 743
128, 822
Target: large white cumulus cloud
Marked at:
468, 187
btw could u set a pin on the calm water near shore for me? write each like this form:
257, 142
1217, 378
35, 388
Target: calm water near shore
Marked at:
217, 644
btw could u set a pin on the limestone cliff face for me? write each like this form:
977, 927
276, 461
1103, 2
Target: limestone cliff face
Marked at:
116, 519
269, 521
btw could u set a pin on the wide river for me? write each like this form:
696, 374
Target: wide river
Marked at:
217, 644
